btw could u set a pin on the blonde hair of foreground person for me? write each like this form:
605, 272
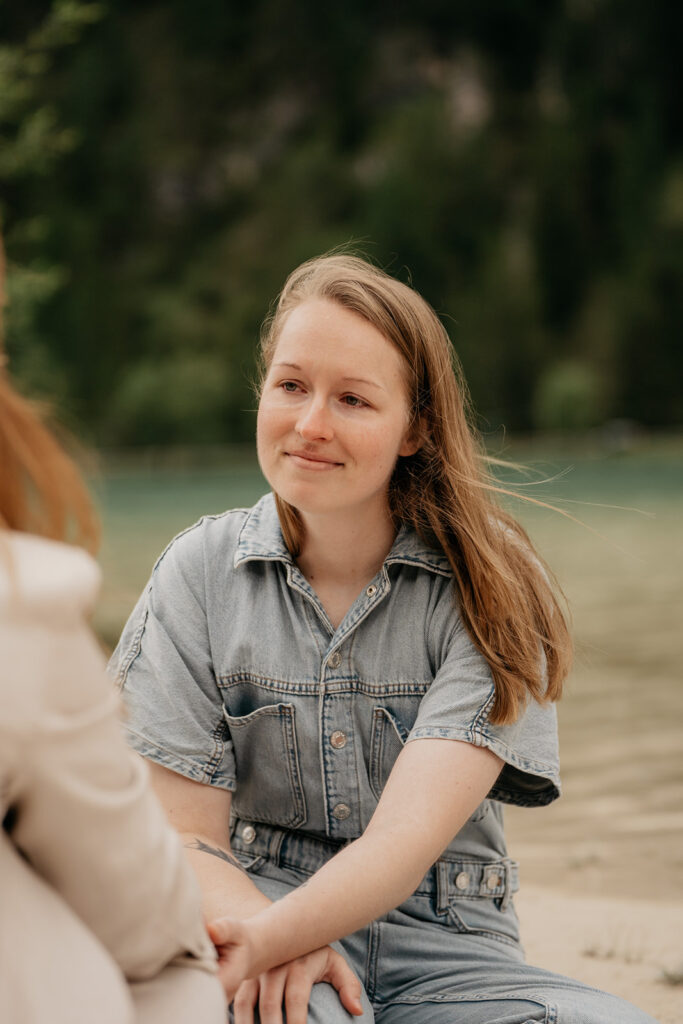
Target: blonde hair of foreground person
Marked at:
100, 910
446, 491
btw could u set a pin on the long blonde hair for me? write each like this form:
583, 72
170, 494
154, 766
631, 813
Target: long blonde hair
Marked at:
41, 489
446, 491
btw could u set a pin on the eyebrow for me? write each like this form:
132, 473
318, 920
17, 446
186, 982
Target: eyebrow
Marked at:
347, 380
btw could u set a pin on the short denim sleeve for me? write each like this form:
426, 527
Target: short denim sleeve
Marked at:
164, 668
457, 706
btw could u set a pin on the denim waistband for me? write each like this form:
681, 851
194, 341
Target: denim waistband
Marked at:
447, 879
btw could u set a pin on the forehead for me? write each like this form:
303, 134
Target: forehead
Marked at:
325, 333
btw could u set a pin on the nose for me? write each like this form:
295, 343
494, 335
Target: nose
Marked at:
314, 422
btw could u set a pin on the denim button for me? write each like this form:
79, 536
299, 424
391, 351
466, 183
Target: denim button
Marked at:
334, 660
371, 590
462, 880
492, 882
338, 739
248, 834
341, 812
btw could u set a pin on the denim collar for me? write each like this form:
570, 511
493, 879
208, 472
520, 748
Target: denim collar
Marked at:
261, 539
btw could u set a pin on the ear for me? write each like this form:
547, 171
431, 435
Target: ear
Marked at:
414, 438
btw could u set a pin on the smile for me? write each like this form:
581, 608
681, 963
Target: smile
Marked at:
317, 463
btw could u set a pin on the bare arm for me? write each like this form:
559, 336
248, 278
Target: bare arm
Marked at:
433, 788
201, 814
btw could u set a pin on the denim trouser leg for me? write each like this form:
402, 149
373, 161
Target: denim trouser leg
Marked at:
421, 973
464, 965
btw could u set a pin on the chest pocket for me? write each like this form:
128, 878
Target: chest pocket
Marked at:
386, 743
269, 785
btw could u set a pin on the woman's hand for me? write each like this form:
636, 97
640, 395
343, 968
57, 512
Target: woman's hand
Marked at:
286, 987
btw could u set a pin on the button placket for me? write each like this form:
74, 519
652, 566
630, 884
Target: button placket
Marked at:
338, 762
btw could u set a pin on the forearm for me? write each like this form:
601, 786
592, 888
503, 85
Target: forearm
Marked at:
226, 887
374, 877
434, 787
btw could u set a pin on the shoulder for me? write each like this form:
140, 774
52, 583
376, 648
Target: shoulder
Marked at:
51, 660
46, 579
216, 543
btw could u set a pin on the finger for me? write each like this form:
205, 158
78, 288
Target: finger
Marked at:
232, 969
298, 994
215, 930
271, 992
244, 1002
347, 985
223, 931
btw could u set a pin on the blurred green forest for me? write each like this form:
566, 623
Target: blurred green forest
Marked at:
163, 166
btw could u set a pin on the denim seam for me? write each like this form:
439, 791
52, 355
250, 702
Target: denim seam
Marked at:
372, 961
470, 997
218, 737
487, 933
382, 719
133, 651
199, 773
293, 764
314, 632
418, 563
342, 684
551, 1012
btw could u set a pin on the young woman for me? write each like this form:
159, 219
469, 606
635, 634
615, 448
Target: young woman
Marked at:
101, 917
343, 685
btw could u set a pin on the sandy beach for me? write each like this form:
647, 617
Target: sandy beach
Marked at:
633, 948
602, 868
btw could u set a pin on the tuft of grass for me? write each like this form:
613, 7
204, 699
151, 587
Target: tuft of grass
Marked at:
672, 977
612, 952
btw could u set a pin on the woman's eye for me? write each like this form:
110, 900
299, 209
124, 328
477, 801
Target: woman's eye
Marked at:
354, 401
290, 386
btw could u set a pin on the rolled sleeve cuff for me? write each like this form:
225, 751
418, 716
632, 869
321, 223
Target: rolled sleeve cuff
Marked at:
212, 776
523, 781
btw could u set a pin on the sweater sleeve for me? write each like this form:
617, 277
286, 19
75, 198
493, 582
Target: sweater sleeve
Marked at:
78, 805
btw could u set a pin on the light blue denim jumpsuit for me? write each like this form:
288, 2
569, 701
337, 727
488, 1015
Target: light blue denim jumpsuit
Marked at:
234, 676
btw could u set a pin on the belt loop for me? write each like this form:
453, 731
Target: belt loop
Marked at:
507, 883
441, 887
274, 844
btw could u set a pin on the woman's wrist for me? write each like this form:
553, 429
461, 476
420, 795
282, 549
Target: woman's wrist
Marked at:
264, 950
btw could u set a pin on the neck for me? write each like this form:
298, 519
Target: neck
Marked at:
345, 552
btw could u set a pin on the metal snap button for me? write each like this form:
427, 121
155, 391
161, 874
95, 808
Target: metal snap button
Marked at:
462, 880
371, 590
334, 660
248, 834
341, 812
338, 739
493, 881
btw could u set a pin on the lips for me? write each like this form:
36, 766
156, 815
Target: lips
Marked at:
312, 459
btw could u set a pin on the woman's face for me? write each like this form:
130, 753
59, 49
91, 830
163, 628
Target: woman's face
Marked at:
333, 416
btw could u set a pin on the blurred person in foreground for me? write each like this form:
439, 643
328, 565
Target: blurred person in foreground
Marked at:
340, 688
100, 918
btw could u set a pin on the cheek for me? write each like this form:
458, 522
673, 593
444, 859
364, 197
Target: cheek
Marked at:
266, 430
381, 449
268, 418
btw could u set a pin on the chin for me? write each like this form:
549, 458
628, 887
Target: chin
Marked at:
307, 503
